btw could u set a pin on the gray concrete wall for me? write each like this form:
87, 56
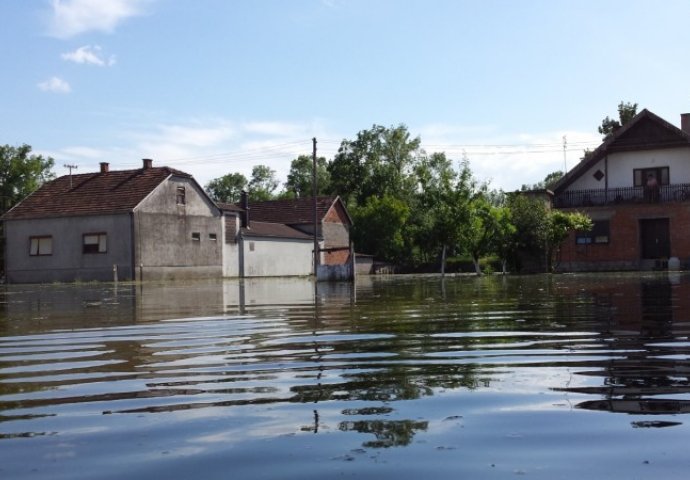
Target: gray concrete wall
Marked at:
68, 263
231, 252
166, 247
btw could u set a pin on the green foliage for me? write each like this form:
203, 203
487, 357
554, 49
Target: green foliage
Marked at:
227, 188
263, 183
626, 112
299, 180
21, 173
377, 162
379, 227
539, 230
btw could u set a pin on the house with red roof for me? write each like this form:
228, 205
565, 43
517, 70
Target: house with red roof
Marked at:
149, 223
636, 188
278, 236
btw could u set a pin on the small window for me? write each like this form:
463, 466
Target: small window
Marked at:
251, 246
39, 246
95, 243
196, 236
599, 235
181, 196
213, 237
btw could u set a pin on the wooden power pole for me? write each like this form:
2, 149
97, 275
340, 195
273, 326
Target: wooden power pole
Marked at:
314, 189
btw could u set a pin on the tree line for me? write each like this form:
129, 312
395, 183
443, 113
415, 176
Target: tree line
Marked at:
414, 208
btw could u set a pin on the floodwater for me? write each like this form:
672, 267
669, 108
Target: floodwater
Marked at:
549, 377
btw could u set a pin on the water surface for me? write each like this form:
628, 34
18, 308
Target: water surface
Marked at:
545, 376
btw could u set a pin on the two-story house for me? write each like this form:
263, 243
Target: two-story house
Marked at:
636, 188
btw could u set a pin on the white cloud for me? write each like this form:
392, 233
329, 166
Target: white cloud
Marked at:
74, 17
90, 55
55, 85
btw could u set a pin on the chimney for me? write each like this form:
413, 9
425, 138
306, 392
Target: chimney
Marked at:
148, 163
244, 215
105, 167
685, 122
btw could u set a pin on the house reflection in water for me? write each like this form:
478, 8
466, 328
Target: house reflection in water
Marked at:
652, 371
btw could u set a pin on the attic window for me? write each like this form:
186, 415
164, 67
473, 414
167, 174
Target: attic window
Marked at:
181, 196
598, 175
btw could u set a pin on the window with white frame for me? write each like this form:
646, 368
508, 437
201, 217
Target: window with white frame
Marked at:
40, 245
95, 243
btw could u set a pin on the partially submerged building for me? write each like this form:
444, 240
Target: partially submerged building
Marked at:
636, 188
148, 223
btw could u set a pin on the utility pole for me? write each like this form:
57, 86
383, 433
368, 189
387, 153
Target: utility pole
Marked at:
565, 147
70, 167
314, 189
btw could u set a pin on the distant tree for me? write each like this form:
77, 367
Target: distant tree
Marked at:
227, 188
263, 183
378, 162
21, 172
548, 183
626, 112
299, 179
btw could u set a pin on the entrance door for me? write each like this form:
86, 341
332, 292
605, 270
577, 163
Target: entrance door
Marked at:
654, 238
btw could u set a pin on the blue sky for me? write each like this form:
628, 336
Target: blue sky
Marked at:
217, 86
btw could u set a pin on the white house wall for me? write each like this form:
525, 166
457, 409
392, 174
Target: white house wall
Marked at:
622, 164
266, 257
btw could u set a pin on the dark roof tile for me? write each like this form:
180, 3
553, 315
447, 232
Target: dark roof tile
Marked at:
92, 193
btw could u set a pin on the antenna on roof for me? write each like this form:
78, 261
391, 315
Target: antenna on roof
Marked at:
67, 165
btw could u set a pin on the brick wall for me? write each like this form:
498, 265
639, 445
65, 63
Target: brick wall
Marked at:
623, 250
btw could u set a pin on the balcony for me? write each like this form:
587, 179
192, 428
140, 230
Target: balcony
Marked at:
679, 192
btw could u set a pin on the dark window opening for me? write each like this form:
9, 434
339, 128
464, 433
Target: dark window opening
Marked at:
181, 196
196, 236
599, 235
643, 177
213, 237
95, 243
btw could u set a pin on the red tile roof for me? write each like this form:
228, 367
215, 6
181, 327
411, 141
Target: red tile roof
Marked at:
294, 211
92, 193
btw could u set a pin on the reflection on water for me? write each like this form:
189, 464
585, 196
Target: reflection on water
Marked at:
276, 379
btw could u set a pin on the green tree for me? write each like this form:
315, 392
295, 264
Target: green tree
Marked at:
378, 162
21, 173
540, 231
263, 183
558, 226
299, 179
379, 225
227, 188
626, 112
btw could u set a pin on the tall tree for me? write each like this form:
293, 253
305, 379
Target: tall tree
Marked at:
379, 227
299, 179
227, 188
21, 172
626, 112
263, 183
378, 162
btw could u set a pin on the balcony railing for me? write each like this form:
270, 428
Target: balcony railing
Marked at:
679, 192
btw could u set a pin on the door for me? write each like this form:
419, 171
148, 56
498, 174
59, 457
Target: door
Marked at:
654, 238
